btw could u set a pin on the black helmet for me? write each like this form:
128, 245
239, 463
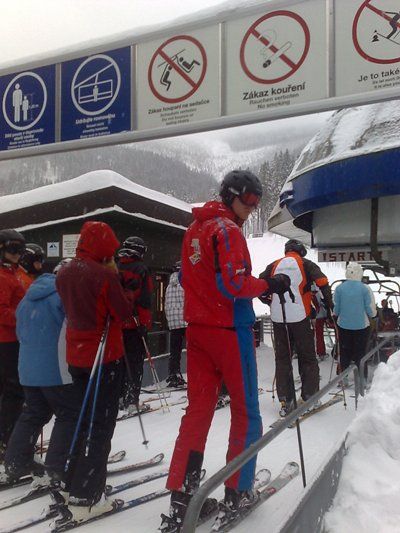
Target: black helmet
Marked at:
33, 253
293, 245
237, 183
7, 235
177, 266
11, 241
133, 246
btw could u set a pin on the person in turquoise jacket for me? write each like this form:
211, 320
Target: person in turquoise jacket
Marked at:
47, 384
354, 306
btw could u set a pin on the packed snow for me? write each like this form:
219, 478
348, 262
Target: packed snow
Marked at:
367, 500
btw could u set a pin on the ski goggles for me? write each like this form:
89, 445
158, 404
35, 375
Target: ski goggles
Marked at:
249, 199
14, 248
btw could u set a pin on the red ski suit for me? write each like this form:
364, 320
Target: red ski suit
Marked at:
216, 277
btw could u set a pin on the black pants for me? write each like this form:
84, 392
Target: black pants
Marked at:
352, 343
11, 393
176, 344
41, 403
133, 374
86, 476
302, 340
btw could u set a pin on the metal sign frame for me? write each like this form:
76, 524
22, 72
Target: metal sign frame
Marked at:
332, 102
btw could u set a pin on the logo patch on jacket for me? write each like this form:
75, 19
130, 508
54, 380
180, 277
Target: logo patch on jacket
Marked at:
196, 255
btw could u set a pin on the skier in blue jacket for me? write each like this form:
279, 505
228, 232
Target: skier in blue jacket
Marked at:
43, 373
354, 305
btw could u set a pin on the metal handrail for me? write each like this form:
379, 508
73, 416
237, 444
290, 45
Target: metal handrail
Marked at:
193, 511
369, 355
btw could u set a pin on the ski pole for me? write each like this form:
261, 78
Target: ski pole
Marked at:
97, 387
156, 379
85, 402
130, 378
303, 471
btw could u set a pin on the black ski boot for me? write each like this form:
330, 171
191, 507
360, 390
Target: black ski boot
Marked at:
233, 505
176, 381
287, 406
177, 511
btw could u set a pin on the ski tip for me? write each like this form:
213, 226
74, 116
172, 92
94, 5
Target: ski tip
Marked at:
158, 458
291, 469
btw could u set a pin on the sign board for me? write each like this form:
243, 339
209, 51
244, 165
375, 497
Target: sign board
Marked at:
177, 79
276, 59
27, 108
53, 249
344, 255
69, 243
367, 45
96, 95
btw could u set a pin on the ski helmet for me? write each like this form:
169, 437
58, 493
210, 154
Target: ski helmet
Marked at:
11, 241
177, 266
33, 253
354, 272
61, 264
294, 245
241, 183
133, 247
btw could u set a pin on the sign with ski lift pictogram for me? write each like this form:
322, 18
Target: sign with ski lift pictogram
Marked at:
27, 108
177, 69
96, 95
180, 72
276, 59
367, 45
265, 54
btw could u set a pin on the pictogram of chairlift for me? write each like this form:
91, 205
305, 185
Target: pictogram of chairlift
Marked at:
173, 58
93, 90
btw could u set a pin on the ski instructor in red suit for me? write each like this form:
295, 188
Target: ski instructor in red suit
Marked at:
219, 288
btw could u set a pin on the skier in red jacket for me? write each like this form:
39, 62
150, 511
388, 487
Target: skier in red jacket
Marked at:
219, 287
90, 291
12, 246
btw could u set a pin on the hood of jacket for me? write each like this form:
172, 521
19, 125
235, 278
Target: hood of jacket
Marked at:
97, 241
42, 287
215, 209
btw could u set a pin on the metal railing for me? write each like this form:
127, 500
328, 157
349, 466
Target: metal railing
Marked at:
374, 351
192, 514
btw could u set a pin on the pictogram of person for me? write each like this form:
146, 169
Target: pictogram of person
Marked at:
25, 108
17, 102
393, 22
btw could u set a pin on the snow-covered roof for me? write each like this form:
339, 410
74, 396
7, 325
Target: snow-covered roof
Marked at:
101, 211
349, 133
91, 181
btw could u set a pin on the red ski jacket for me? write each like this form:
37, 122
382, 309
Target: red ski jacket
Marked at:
11, 293
216, 270
138, 285
89, 292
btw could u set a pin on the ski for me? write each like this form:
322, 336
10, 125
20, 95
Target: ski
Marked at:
289, 472
126, 416
51, 512
318, 409
118, 470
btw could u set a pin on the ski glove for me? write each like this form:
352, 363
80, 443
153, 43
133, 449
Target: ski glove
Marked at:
278, 284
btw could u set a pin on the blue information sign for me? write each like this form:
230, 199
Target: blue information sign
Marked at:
96, 95
27, 115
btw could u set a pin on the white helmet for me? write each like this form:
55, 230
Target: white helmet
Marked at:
354, 272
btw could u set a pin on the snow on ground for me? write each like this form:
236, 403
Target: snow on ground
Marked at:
367, 500
320, 434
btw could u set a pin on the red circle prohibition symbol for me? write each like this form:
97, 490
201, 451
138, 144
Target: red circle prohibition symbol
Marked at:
252, 31
194, 85
365, 5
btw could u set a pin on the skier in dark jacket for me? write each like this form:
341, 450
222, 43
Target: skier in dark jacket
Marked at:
219, 288
91, 293
30, 264
47, 384
138, 286
12, 246
302, 273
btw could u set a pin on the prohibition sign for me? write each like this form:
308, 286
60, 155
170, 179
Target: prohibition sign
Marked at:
193, 81
367, 6
255, 32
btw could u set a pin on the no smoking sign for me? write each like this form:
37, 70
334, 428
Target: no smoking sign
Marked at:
275, 47
177, 69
